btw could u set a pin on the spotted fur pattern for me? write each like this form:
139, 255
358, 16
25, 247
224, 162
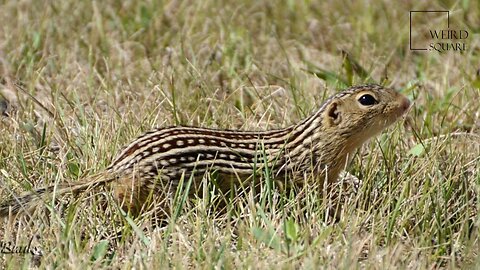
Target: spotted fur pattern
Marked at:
319, 145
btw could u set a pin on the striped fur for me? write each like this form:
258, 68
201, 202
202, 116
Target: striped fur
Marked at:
160, 158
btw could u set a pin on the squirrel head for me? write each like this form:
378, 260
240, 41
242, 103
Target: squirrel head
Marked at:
362, 112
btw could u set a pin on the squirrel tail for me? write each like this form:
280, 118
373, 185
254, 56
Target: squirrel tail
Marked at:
30, 201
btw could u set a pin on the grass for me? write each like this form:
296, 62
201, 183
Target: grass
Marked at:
92, 75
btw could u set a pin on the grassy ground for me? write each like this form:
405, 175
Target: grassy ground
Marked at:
82, 78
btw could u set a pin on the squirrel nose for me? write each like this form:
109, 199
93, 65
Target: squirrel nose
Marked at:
405, 104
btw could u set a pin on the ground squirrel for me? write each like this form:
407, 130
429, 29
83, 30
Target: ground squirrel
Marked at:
322, 144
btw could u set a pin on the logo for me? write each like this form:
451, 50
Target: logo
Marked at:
430, 30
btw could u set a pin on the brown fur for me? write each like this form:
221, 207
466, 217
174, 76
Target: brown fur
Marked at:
141, 172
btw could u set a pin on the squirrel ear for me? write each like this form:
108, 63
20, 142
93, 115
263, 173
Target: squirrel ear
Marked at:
333, 113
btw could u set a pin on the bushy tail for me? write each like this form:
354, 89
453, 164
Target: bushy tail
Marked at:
29, 202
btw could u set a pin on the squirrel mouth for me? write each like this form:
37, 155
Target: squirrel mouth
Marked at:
393, 114
402, 107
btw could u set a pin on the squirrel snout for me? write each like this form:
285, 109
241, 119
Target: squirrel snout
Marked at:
405, 104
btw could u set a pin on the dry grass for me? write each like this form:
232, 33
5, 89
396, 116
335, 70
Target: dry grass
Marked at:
82, 78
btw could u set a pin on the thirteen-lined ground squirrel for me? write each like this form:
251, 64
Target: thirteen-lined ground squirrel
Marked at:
321, 145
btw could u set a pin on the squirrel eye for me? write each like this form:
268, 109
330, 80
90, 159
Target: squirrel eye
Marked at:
367, 100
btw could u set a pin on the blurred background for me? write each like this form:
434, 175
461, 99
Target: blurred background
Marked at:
80, 79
